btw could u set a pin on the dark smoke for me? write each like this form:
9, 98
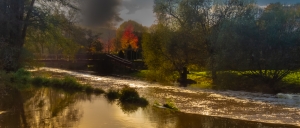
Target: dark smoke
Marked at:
100, 12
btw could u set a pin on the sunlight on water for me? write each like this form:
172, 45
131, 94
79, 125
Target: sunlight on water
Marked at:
230, 104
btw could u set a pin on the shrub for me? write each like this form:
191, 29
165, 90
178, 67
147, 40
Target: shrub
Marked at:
112, 94
21, 79
21, 76
89, 89
71, 83
170, 105
130, 95
40, 81
56, 83
98, 91
143, 102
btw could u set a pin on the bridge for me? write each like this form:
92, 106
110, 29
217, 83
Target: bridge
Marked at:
101, 63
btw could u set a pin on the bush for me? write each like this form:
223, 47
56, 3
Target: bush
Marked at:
98, 91
57, 83
71, 84
130, 95
40, 81
21, 76
21, 79
170, 105
143, 102
89, 89
112, 94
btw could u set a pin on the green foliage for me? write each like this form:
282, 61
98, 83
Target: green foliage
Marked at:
203, 80
127, 96
267, 47
98, 91
21, 79
112, 95
130, 95
89, 89
170, 105
41, 81
55, 38
159, 55
71, 83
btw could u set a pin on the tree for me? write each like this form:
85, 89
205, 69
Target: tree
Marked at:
267, 47
16, 17
54, 36
168, 52
94, 43
191, 24
129, 39
135, 28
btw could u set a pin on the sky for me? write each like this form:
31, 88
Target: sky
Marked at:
142, 10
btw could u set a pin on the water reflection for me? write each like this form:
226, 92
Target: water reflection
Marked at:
46, 107
53, 108
11, 102
43, 107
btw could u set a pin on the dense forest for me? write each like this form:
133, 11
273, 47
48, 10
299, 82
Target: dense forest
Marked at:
230, 36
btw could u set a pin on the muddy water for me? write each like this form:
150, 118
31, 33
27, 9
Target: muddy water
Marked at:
198, 108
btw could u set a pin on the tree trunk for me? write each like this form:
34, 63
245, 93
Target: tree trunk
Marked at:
17, 28
183, 77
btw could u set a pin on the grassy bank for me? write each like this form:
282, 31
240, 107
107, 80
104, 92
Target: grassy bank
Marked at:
234, 81
23, 79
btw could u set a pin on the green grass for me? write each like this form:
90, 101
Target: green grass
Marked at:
232, 80
23, 79
169, 104
142, 74
293, 78
203, 80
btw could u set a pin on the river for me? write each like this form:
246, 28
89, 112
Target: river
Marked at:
46, 107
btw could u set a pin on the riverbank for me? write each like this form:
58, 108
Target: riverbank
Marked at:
232, 81
228, 104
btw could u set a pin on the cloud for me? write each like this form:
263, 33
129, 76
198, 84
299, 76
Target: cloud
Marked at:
100, 12
134, 5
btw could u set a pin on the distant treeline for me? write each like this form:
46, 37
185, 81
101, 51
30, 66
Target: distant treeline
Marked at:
224, 35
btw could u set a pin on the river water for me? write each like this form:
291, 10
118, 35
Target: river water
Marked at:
46, 107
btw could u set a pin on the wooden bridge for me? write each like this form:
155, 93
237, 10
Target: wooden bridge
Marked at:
101, 63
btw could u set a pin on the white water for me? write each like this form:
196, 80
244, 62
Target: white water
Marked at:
280, 108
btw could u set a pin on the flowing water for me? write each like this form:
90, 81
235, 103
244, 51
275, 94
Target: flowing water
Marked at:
46, 107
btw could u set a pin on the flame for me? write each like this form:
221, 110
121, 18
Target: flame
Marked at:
129, 39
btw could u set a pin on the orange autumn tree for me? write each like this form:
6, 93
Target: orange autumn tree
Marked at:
129, 39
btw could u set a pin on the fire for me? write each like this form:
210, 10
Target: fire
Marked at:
129, 39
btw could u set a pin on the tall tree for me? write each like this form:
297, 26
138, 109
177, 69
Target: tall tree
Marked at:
15, 17
193, 23
267, 46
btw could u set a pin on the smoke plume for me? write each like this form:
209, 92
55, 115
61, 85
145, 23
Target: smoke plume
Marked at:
100, 12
